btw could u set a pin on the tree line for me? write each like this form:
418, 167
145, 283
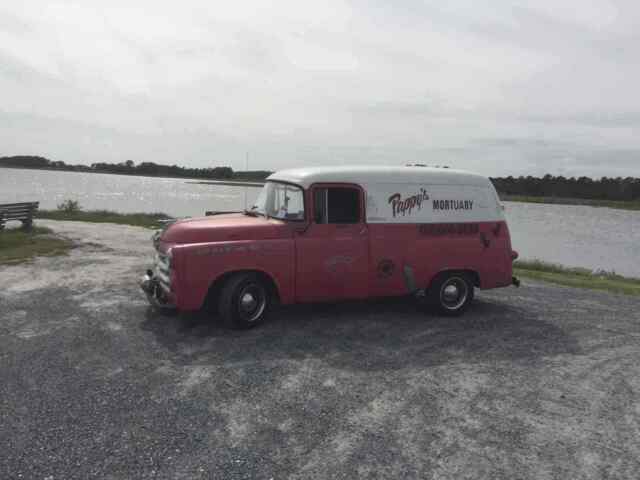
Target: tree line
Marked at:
624, 189
130, 168
605, 188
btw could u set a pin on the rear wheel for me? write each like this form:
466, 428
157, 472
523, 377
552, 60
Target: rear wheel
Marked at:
451, 293
244, 301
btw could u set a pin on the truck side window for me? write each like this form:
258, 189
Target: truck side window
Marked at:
336, 205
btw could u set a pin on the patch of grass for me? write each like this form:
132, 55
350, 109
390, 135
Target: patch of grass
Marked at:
17, 245
620, 205
147, 220
577, 277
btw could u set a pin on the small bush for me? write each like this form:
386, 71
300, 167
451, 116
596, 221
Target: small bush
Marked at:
69, 206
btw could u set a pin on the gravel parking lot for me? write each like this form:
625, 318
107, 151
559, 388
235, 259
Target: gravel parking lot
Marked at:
537, 382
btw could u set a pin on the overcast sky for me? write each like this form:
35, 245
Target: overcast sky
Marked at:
496, 86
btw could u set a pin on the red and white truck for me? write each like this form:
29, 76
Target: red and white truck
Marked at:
337, 233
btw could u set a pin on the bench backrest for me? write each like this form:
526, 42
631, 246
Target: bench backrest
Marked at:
19, 211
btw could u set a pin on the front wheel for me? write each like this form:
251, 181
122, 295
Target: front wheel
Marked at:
244, 301
451, 293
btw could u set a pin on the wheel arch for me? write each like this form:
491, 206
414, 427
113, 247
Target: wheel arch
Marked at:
467, 271
213, 293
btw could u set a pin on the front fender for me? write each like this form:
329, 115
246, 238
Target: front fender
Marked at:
202, 264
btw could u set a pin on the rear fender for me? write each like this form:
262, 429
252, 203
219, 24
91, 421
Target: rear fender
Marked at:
470, 272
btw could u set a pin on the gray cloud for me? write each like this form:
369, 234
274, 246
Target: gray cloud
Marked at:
501, 87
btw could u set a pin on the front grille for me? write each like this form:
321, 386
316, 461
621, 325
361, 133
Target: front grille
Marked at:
163, 270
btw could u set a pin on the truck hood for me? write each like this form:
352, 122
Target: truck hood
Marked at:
221, 228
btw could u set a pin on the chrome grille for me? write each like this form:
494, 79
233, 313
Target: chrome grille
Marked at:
163, 270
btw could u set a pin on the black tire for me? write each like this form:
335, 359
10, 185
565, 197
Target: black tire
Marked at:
244, 301
451, 293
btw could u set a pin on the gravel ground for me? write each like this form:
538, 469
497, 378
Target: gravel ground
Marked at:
537, 382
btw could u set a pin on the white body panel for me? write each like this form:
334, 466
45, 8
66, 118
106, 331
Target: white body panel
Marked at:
425, 203
411, 194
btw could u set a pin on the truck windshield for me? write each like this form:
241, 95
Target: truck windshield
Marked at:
280, 200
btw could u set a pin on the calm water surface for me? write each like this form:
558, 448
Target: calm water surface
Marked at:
581, 236
122, 193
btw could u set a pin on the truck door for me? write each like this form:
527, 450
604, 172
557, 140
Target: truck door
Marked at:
332, 255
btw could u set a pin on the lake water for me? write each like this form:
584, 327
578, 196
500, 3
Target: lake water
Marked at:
581, 236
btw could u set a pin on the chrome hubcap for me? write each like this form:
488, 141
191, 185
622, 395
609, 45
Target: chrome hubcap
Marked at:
248, 302
251, 302
454, 293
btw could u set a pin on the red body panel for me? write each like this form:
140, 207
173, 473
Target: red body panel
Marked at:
331, 262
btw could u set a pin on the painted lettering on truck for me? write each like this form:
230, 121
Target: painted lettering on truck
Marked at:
453, 204
400, 206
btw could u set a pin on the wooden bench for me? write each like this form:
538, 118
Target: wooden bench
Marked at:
23, 212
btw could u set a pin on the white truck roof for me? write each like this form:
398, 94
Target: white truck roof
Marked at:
410, 194
363, 175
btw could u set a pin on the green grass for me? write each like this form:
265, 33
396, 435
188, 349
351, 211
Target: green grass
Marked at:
17, 245
621, 205
577, 277
147, 220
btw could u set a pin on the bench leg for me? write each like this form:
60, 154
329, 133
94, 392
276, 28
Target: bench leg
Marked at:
27, 224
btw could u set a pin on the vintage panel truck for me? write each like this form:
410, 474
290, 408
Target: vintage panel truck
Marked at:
337, 233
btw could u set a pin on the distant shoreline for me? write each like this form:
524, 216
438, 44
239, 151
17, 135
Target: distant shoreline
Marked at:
232, 182
615, 204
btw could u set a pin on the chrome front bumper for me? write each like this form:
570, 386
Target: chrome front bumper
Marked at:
154, 291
